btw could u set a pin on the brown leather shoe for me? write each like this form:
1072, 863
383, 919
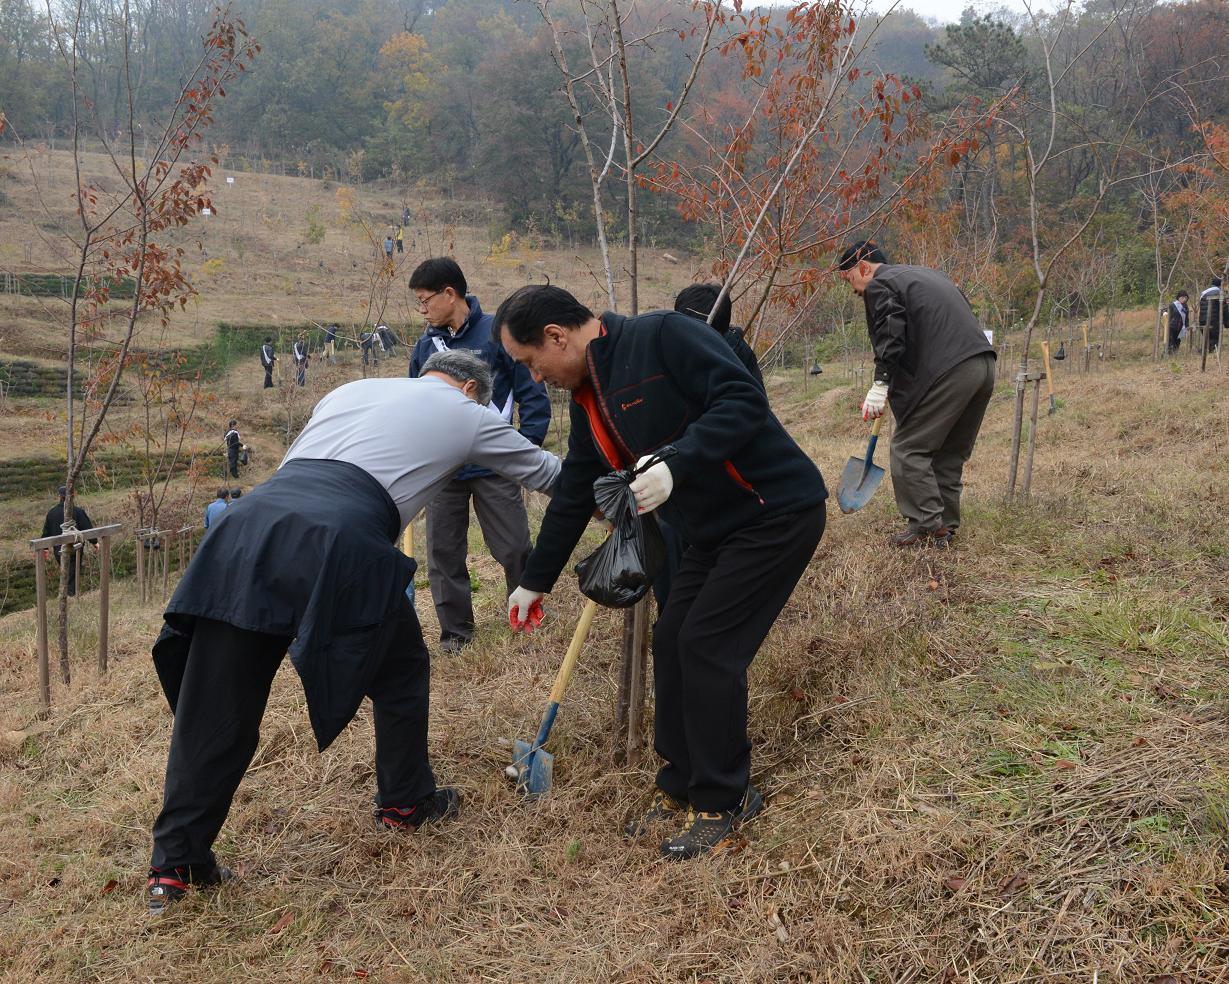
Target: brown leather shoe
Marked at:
942, 537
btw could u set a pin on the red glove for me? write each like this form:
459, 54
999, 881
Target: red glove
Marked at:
531, 603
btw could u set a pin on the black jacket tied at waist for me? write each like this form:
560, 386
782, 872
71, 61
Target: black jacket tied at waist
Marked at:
309, 555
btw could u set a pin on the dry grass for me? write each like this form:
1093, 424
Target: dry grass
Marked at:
1005, 763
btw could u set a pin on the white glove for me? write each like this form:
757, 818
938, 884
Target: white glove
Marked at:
876, 399
652, 487
525, 610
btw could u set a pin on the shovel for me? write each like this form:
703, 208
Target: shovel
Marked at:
534, 765
861, 477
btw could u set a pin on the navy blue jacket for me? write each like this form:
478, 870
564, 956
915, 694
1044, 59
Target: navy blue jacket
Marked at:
655, 380
512, 385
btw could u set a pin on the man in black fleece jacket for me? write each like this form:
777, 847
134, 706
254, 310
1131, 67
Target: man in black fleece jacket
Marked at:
742, 494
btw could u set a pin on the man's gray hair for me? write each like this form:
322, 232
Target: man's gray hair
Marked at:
462, 366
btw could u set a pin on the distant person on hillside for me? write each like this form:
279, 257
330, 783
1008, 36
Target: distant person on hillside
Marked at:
400, 239
267, 359
388, 341
330, 343
308, 563
455, 320
405, 216
1179, 321
388, 247
234, 448
1211, 313
367, 342
935, 366
53, 525
215, 509
300, 359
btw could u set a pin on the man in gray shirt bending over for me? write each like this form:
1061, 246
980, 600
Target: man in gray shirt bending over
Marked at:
307, 563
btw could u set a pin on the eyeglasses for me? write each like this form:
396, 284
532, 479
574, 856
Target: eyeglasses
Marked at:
421, 303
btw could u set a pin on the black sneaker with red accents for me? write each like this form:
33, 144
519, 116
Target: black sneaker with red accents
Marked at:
166, 886
443, 804
707, 833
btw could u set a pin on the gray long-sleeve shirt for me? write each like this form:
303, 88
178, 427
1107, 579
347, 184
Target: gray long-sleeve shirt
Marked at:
411, 435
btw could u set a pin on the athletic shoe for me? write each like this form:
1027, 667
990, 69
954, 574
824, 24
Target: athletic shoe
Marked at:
443, 804
707, 833
942, 537
166, 886
664, 808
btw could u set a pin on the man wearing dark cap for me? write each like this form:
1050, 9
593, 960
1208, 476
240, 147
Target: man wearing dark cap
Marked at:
53, 525
935, 366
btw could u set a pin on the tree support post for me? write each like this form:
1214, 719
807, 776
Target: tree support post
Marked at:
44, 669
1035, 378
1017, 424
104, 601
74, 541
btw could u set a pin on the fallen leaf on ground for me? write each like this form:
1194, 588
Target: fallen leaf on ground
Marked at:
286, 919
954, 884
1013, 884
109, 887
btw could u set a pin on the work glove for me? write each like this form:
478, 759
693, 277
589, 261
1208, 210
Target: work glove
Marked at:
876, 400
653, 486
528, 602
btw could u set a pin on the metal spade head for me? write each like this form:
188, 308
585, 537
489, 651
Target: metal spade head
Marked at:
535, 770
858, 483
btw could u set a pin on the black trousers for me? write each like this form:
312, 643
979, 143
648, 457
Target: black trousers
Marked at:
232, 461
217, 726
722, 604
268, 377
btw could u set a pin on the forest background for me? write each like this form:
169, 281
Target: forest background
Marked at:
465, 97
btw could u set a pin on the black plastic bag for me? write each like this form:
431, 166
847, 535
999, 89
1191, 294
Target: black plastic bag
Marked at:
620, 572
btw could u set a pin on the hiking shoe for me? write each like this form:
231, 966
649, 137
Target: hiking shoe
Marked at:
443, 804
942, 537
166, 886
452, 644
710, 832
663, 808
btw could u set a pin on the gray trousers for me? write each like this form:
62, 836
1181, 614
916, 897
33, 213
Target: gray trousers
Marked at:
505, 528
930, 448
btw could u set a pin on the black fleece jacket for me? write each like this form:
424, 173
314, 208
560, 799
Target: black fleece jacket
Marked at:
657, 381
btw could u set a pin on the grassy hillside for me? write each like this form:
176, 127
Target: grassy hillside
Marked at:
1006, 762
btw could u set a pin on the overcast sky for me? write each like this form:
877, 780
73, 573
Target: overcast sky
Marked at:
948, 11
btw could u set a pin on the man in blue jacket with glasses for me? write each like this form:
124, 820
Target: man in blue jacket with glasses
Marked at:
456, 320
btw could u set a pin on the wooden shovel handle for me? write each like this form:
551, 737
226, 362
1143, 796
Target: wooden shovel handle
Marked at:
877, 426
1045, 354
569, 661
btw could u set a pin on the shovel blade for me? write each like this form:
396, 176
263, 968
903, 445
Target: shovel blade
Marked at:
858, 484
534, 770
